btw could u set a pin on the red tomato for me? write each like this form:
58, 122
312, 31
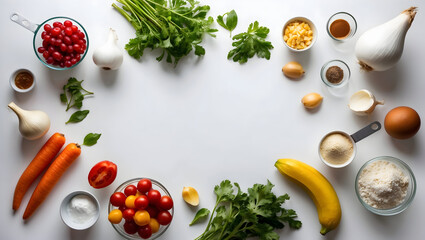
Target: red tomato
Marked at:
145, 231
166, 203
141, 202
152, 210
154, 196
144, 185
130, 227
117, 199
128, 214
102, 174
130, 190
164, 217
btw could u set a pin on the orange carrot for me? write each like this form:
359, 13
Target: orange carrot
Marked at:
52, 176
40, 162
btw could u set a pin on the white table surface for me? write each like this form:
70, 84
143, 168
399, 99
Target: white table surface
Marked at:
210, 119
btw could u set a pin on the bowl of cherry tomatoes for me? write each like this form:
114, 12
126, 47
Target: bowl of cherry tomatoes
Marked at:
60, 43
140, 208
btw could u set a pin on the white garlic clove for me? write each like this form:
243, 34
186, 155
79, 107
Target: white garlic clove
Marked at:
32, 124
363, 102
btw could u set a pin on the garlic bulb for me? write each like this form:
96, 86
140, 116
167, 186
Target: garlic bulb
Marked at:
312, 100
109, 56
380, 48
32, 124
363, 102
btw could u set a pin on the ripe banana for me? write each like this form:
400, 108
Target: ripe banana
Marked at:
319, 189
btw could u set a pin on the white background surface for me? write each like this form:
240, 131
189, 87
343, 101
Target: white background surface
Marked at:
210, 119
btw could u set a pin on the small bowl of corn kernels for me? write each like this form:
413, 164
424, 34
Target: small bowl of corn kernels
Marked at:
299, 34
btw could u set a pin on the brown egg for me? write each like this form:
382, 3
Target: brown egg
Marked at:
402, 122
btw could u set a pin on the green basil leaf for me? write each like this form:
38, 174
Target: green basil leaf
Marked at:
221, 22
231, 20
78, 116
91, 139
202, 213
63, 97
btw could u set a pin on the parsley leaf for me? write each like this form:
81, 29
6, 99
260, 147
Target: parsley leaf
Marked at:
176, 27
231, 21
76, 94
249, 43
202, 213
240, 215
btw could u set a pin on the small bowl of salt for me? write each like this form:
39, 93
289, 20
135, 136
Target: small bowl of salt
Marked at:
80, 210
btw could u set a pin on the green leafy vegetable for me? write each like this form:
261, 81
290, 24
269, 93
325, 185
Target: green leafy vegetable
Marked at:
202, 213
249, 43
231, 21
91, 139
239, 215
76, 94
78, 116
175, 26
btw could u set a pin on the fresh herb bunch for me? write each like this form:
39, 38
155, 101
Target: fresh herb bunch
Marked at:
76, 94
175, 26
242, 215
249, 43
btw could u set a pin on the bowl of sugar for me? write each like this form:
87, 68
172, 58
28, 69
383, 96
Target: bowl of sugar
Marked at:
385, 185
80, 210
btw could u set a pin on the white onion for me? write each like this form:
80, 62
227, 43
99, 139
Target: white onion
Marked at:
380, 48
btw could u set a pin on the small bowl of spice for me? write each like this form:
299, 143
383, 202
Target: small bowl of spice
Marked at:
335, 74
22, 80
341, 26
80, 210
385, 185
299, 34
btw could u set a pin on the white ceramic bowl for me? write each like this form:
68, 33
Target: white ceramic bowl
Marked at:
68, 219
13, 84
312, 27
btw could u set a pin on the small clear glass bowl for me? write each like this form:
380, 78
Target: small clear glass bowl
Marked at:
38, 41
411, 191
343, 66
312, 27
120, 228
344, 16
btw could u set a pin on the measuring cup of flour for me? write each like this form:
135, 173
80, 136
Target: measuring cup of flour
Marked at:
337, 149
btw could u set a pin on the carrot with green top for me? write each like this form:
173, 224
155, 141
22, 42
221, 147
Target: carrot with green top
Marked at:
51, 177
40, 162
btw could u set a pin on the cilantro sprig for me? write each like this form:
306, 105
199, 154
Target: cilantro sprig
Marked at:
251, 43
177, 27
239, 215
73, 94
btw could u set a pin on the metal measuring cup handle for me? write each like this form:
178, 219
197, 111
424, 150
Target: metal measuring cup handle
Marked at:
366, 131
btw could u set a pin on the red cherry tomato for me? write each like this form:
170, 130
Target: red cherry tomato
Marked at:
164, 217
117, 199
128, 214
144, 185
166, 203
145, 232
130, 227
67, 23
141, 202
152, 210
102, 174
130, 190
55, 31
154, 196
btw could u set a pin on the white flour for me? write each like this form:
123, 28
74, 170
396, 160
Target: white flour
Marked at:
383, 185
82, 209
